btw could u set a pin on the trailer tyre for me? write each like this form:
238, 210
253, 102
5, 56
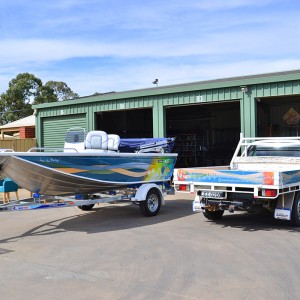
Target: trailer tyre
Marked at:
213, 215
151, 206
295, 217
86, 207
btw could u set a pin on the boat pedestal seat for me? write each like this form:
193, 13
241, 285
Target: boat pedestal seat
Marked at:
96, 141
101, 142
113, 142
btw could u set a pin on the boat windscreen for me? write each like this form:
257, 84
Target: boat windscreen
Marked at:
75, 137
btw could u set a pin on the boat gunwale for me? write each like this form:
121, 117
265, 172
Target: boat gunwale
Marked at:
115, 154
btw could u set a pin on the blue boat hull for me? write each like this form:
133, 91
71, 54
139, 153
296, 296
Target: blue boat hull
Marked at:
65, 174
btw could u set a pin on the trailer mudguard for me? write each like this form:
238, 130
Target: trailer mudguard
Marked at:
142, 191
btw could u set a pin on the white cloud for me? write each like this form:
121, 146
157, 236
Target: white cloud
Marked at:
88, 82
131, 43
248, 42
141, 76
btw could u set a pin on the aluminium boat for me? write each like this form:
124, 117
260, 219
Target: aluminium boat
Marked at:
90, 163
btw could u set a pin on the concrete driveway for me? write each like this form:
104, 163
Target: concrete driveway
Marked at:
113, 252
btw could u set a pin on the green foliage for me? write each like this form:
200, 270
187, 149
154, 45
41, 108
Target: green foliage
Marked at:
45, 95
61, 90
15, 102
25, 90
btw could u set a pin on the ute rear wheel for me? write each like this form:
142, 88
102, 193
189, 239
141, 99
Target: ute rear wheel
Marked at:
151, 206
213, 215
295, 216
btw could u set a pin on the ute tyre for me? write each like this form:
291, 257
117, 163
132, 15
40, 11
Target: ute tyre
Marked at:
151, 206
295, 216
86, 207
213, 215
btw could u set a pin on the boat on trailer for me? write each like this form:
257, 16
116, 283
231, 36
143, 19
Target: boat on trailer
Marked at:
92, 163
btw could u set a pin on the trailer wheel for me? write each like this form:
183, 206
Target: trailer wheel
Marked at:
213, 215
151, 206
295, 217
86, 207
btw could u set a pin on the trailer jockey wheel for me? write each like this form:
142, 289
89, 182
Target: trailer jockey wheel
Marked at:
86, 207
151, 206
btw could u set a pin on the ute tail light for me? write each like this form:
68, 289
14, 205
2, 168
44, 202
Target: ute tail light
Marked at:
269, 193
184, 187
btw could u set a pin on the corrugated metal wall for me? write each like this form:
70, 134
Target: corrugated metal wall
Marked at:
265, 85
55, 128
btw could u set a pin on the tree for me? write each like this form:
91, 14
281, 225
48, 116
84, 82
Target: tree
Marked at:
61, 90
15, 102
25, 90
45, 95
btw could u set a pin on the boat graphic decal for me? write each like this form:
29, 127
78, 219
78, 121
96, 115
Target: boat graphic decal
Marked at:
130, 173
68, 170
110, 169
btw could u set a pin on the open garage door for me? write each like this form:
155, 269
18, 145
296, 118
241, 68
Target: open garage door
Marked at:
206, 134
278, 116
126, 123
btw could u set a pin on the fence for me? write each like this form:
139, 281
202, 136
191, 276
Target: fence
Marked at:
18, 144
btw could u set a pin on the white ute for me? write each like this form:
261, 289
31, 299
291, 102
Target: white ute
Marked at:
264, 172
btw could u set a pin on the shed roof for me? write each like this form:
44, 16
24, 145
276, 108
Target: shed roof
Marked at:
200, 85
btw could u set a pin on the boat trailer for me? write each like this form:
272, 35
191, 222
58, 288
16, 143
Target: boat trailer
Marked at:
149, 197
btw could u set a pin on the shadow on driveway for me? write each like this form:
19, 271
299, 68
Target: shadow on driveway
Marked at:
126, 216
110, 218
256, 221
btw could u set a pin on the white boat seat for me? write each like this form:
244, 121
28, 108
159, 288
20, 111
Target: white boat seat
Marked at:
113, 142
96, 141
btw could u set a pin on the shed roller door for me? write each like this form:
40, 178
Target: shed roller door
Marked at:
55, 129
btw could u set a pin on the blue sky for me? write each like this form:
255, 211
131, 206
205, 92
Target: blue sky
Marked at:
114, 45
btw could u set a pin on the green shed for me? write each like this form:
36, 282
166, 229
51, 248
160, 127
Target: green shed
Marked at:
206, 117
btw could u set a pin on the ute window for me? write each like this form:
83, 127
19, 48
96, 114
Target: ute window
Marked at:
271, 151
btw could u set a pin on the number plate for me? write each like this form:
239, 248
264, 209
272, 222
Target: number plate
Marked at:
213, 194
283, 214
